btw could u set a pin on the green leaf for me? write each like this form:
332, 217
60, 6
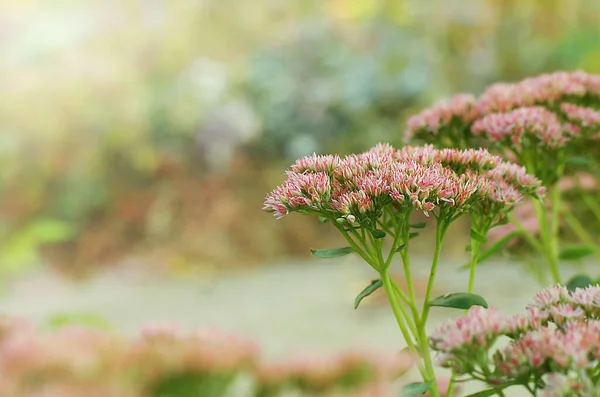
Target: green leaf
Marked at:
400, 248
498, 246
415, 389
51, 231
475, 235
323, 219
369, 289
418, 225
459, 300
378, 233
82, 319
493, 249
578, 160
331, 253
492, 391
576, 252
579, 281
412, 235
484, 393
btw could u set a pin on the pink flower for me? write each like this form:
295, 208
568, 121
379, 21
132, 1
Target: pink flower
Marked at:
582, 180
316, 163
561, 313
560, 385
552, 296
517, 325
585, 117
413, 178
477, 330
511, 127
543, 89
460, 107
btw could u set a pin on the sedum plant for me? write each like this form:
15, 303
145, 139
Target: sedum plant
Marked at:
370, 197
552, 351
549, 124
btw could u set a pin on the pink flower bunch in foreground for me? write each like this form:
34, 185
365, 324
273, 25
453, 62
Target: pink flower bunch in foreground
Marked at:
357, 189
77, 361
556, 342
554, 107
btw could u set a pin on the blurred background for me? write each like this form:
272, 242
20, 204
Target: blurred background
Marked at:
141, 136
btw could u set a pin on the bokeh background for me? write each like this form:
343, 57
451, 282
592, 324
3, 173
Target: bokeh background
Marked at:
141, 136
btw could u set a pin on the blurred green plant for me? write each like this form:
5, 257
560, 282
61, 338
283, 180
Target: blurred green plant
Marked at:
104, 105
323, 90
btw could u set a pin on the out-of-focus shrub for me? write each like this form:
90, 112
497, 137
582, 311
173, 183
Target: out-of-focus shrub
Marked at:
76, 360
120, 122
326, 90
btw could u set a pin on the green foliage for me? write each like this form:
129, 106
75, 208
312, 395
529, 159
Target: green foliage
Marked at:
378, 234
19, 248
369, 289
81, 319
459, 300
576, 252
193, 384
321, 91
579, 281
331, 253
475, 235
415, 389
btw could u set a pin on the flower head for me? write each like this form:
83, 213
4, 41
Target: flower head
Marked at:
477, 330
543, 89
531, 122
582, 116
430, 121
548, 297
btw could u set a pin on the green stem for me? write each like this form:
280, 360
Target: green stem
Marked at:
556, 207
374, 257
422, 337
580, 231
406, 262
353, 244
412, 324
592, 204
549, 234
531, 239
439, 237
400, 314
475, 249
403, 229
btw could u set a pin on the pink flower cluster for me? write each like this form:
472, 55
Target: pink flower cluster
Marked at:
531, 122
480, 327
544, 89
460, 108
559, 335
162, 351
358, 187
561, 385
509, 111
585, 117
78, 361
